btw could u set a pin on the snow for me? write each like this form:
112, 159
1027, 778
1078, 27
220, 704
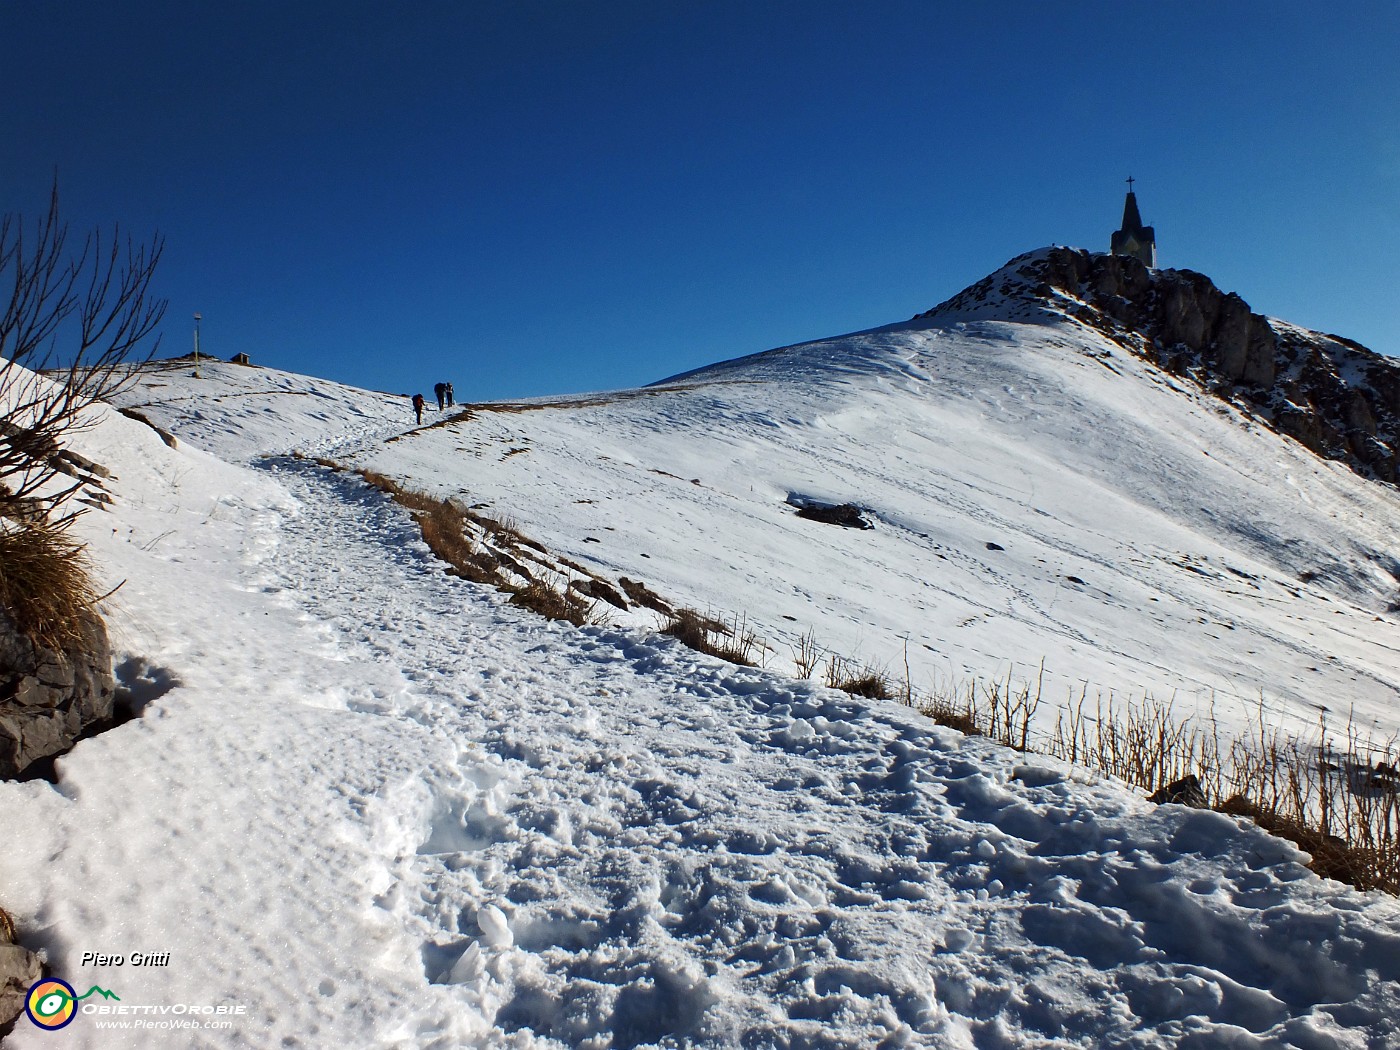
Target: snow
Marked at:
374, 805
1152, 540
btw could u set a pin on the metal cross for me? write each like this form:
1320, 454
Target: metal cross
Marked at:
1131, 180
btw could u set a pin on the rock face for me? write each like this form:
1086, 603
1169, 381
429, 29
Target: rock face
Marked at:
49, 698
847, 515
1335, 396
19, 969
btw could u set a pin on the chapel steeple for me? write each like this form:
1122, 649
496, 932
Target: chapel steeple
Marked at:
1134, 238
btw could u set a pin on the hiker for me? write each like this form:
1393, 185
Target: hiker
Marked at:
440, 389
449, 395
418, 407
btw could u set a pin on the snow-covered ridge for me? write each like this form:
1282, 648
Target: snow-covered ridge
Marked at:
1336, 397
1150, 537
371, 805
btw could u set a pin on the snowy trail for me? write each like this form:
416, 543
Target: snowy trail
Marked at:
620, 842
381, 807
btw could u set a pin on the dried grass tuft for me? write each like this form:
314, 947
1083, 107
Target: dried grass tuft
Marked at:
45, 582
558, 603
735, 642
869, 682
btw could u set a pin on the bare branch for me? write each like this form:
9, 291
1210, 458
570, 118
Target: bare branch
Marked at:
79, 319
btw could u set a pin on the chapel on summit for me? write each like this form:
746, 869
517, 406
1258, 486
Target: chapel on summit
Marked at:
1134, 238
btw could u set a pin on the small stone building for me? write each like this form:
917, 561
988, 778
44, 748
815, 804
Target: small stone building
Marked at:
1134, 238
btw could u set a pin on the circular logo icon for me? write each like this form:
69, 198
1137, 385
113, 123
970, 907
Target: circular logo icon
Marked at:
51, 1003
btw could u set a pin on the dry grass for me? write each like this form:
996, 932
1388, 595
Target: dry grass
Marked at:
806, 654
858, 679
956, 710
558, 603
45, 582
1336, 797
953, 717
734, 641
599, 588
515, 407
446, 527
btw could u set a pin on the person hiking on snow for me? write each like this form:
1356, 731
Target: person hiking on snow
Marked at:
448, 391
418, 407
440, 391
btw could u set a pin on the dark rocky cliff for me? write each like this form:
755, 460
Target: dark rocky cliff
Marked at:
1335, 396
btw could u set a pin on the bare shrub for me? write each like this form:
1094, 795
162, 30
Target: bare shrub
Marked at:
806, 654
1336, 797
1143, 742
1010, 710
79, 315
1339, 801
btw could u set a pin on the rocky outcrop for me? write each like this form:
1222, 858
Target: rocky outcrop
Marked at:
847, 515
49, 698
19, 969
1333, 395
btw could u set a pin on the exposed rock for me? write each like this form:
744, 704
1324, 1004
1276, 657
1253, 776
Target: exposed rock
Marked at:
140, 417
19, 969
1332, 395
596, 588
1184, 792
847, 515
48, 699
643, 595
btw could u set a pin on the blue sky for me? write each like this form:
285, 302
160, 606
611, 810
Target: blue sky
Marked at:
531, 197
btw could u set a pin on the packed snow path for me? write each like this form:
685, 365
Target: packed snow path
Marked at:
383, 808
625, 844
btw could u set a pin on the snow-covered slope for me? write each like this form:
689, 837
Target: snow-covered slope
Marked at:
1039, 496
369, 804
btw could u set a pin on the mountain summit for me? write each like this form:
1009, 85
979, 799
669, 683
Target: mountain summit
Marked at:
1333, 395
366, 800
